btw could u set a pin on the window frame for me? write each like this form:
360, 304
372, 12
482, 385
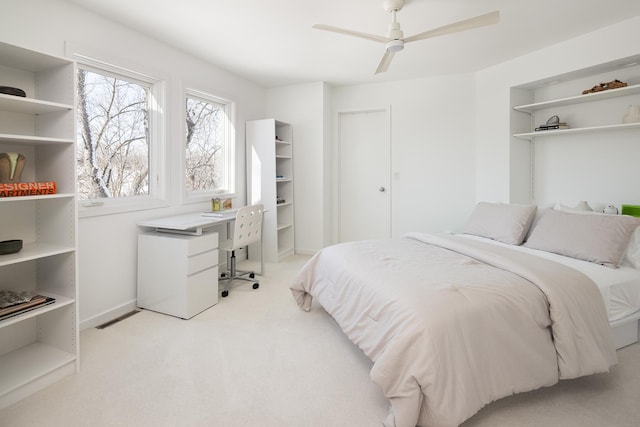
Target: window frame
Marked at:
198, 196
157, 196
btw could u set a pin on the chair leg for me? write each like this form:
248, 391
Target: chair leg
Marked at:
233, 275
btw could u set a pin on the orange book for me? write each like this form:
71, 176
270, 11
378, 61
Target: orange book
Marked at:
16, 189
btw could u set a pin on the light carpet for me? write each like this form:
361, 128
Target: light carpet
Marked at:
256, 359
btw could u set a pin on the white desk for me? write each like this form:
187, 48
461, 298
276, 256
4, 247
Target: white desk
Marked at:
178, 263
191, 223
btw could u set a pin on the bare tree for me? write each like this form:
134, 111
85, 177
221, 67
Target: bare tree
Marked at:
113, 146
204, 144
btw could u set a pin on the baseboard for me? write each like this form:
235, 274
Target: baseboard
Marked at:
108, 315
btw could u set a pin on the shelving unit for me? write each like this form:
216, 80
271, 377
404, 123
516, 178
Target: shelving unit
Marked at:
40, 346
574, 101
270, 179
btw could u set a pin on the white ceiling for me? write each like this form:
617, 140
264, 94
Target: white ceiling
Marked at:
271, 42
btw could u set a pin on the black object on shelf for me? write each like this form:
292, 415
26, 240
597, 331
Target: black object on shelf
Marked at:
8, 90
10, 246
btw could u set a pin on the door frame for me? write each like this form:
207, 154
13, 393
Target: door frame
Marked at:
337, 161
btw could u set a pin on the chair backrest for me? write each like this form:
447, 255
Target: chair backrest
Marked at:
248, 226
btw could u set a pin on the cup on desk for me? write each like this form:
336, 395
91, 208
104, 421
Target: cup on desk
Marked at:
215, 204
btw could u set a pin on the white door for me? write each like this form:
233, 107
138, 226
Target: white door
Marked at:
364, 175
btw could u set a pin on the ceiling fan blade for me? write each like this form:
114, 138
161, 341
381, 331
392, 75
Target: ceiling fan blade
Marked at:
467, 24
384, 62
365, 36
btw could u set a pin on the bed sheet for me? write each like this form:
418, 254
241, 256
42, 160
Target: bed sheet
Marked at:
620, 288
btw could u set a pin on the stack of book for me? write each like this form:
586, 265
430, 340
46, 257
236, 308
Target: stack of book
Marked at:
13, 303
552, 126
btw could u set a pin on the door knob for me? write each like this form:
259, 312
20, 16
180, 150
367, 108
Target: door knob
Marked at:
382, 189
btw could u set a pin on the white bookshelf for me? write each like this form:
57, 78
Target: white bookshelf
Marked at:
40, 346
269, 178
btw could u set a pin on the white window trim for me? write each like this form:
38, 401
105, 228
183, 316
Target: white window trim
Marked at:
189, 197
158, 190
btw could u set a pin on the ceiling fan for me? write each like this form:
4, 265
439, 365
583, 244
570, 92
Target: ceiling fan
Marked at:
395, 39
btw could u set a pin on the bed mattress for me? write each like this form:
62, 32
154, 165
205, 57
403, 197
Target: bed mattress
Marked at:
620, 288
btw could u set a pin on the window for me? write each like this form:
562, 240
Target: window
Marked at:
117, 136
209, 156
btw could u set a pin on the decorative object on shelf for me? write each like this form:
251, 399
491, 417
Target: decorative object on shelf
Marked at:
611, 210
8, 90
552, 124
11, 167
614, 84
20, 189
583, 206
215, 204
279, 201
10, 246
632, 115
227, 203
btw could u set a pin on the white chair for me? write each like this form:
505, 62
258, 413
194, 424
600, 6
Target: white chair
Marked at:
247, 229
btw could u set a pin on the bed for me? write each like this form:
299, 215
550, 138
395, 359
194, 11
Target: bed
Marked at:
511, 304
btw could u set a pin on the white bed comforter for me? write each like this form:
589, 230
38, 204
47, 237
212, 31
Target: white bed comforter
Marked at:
452, 324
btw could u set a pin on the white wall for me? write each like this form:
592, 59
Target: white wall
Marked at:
497, 171
107, 244
432, 147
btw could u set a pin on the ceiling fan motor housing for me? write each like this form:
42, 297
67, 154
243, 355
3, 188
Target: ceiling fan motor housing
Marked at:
395, 45
390, 5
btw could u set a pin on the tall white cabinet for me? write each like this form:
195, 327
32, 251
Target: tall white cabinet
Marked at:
270, 182
39, 347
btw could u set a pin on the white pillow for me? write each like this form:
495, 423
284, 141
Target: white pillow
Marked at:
632, 254
601, 239
506, 223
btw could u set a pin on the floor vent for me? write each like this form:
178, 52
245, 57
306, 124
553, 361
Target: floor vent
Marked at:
117, 319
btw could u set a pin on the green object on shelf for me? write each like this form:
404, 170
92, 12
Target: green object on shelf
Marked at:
631, 210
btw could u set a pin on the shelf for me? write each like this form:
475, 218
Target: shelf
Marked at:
59, 303
283, 157
33, 198
284, 204
284, 179
18, 104
33, 139
33, 251
284, 226
592, 129
282, 142
611, 93
29, 363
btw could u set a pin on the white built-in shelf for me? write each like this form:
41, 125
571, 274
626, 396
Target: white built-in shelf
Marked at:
39, 346
32, 251
59, 303
29, 363
590, 129
590, 97
18, 104
31, 198
271, 141
33, 139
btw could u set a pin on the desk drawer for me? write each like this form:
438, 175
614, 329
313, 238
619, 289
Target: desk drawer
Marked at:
202, 261
203, 243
